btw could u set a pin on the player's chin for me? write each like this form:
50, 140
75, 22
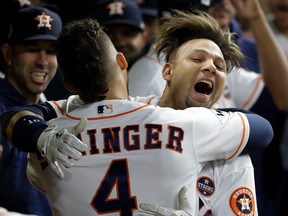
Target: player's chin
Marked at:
195, 102
203, 100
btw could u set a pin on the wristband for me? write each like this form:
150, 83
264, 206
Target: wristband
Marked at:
26, 132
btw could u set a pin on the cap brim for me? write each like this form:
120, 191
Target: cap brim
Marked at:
126, 22
40, 37
149, 12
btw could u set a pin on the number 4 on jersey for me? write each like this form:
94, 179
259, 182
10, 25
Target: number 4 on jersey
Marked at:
117, 176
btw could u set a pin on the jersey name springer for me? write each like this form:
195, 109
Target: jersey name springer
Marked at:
113, 138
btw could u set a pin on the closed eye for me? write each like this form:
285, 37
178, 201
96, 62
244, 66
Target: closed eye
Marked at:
197, 59
219, 68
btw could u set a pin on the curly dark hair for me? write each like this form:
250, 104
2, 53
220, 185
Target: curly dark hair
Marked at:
182, 26
83, 56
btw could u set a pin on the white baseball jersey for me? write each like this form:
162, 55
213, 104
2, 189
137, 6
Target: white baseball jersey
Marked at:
145, 76
242, 89
138, 153
225, 187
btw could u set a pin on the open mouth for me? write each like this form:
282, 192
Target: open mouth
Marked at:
39, 77
204, 87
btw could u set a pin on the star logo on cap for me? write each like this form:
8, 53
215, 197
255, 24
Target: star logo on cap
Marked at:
44, 21
116, 8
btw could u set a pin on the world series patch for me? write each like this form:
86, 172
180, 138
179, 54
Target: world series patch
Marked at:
205, 186
242, 202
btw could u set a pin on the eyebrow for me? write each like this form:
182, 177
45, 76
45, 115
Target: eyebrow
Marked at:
204, 51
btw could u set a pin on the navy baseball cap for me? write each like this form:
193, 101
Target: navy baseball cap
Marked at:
127, 12
34, 23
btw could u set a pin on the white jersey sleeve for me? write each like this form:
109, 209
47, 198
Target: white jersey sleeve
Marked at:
218, 180
227, 188
220, 137
225, 118
242, 89
145, 76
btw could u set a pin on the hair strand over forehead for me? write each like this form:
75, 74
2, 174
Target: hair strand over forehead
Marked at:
181, 27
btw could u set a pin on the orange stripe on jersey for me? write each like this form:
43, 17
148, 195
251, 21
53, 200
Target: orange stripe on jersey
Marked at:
153, 59
108, 117
253, 93
58, 106
149, 101
242, 138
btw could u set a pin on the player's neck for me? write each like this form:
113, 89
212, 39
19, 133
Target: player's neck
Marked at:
117, 88
166, 102
116, 94
168, 99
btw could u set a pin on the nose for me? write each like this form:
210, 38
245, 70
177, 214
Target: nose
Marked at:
42, 58
210, 67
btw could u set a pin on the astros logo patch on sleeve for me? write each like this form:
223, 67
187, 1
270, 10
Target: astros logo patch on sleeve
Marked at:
242, 202
205, 186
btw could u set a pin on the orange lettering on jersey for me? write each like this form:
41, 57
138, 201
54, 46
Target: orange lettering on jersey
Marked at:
152, 136
111, 140
175, 139
92, 141
116, 139
131, 132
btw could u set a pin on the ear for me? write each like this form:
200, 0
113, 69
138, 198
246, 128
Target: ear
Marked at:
167, 71
68, 85
7, 53
121, 61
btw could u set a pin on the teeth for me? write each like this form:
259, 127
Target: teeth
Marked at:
208, 83
39, 75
